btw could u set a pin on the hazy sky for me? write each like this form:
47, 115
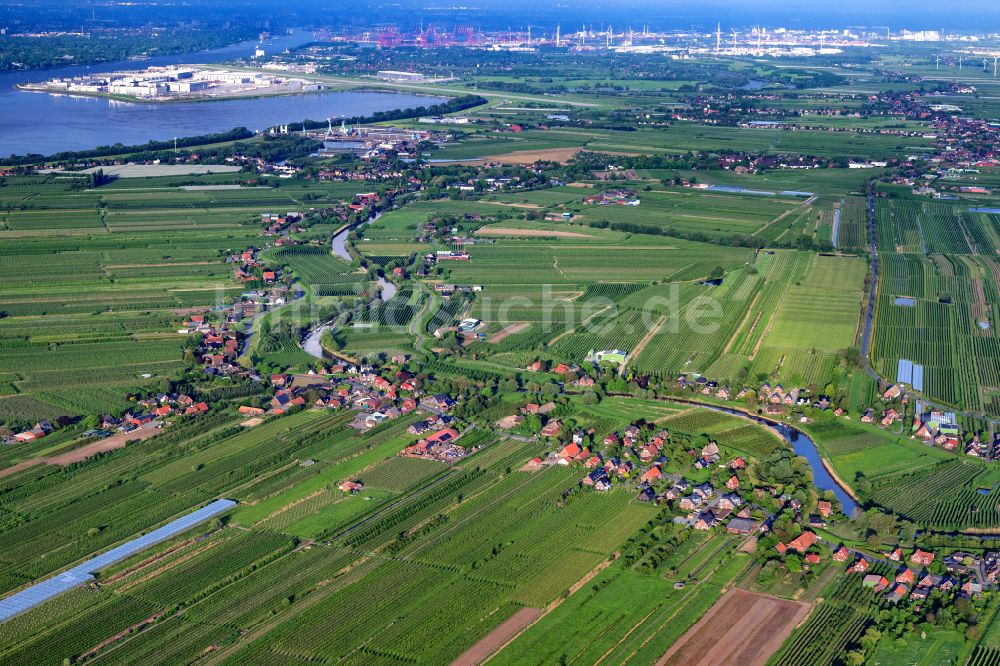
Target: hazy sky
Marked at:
979, 15
951, 15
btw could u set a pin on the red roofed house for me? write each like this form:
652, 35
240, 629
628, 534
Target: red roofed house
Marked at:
568, 452
351, 487
651, 474
812, 558
443, 435
552, 428
898, 592
841, 554
733, 483
922, 557
802, 542
824, 508
860, 566
906, 577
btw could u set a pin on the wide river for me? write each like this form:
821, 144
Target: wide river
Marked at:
42, 123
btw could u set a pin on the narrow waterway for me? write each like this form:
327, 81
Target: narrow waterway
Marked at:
800, 442
312, 344
803, 446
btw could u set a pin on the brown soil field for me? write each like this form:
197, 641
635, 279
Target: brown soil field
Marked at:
532, 156
107, 444
20, 467
742, 629
508, 330
76, 455
531, 233
496, 639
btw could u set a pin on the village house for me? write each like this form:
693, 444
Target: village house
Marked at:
568, 453
860, 566
875, 582
741, 525
691, 502
800, 544
651, 475
729, 501
897, 594
438, 446
706, 520
351, 487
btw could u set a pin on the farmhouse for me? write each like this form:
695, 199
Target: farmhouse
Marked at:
351, 487
741, 526
613, 356
552, 428
875, 581
439, 446
801, 543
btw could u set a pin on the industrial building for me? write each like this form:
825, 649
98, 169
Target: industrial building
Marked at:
400, 77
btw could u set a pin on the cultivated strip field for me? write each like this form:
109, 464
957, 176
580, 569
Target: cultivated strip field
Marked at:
741, 629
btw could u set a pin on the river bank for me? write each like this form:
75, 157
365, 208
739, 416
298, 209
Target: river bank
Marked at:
312, 344
799, 440
42, 123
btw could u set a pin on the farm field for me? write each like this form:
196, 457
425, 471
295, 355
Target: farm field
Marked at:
442, 564
942, 259
755, 626
96, 283
484, 397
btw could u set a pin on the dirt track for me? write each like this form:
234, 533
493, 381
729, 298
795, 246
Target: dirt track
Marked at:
76, 455
742, 629
532, 156
508, 330
533, 233
497, 638
107, 444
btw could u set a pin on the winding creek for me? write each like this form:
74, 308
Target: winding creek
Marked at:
312, 344
803, 446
